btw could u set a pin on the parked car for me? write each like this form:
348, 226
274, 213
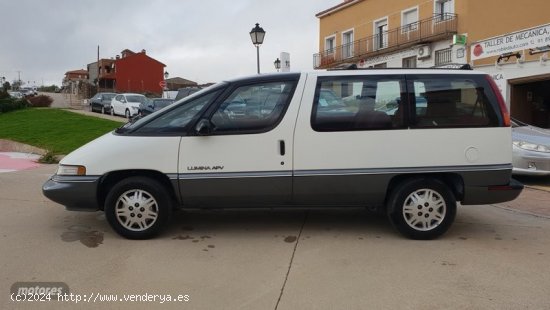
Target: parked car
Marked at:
15, 94
27, 91
153, 105
531, 149
101, 102
186, 91
217, 151
126, 104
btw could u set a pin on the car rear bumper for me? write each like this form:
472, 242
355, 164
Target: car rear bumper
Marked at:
75, 193
474, 195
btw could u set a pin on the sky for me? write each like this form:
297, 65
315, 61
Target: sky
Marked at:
203, 41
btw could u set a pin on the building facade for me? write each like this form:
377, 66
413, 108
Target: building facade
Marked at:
128, 72
507, 39
137, 72
74, 81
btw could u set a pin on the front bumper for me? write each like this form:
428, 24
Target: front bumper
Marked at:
530, 163
76, 193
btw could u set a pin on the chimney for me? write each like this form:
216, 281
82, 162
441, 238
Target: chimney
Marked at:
143, 51
117, 56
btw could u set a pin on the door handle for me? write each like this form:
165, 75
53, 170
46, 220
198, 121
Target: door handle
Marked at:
282, 150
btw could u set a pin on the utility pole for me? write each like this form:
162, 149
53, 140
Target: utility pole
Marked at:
19, 79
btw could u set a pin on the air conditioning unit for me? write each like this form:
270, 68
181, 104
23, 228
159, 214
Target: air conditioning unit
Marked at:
424, 51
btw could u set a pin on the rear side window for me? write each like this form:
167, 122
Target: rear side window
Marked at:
358, 103
443, 101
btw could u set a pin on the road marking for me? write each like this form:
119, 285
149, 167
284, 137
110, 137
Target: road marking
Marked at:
13, 161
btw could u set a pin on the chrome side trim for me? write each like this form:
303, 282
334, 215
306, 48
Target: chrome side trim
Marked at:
368, 171
337, 172
172, 176
235, 175
75, 179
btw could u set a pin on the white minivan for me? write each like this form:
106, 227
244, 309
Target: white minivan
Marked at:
408, 142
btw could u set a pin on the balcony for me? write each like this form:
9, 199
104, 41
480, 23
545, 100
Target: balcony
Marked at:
439, 27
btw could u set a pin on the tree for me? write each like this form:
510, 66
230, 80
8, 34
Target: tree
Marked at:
17, 84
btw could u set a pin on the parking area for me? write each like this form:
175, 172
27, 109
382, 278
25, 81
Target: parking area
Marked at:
493, 257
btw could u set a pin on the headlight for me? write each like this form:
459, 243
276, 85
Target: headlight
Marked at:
71, 170
135, 108
532, 146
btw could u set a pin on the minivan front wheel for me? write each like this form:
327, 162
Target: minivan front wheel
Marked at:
127, 114
422, 208
138, 207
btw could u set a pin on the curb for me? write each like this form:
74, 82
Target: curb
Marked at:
13, 146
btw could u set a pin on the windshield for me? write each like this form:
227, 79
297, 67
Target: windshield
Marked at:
177, 117
161, 103
134, 98
516, 123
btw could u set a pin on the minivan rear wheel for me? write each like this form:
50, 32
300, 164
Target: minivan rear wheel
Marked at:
422, 208
138, 207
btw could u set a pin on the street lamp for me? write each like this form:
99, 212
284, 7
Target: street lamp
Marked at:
166, 74
277, 64
257, 35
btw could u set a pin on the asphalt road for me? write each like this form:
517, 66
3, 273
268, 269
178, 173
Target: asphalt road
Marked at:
492, 258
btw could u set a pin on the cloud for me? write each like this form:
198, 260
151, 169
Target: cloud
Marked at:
205, 41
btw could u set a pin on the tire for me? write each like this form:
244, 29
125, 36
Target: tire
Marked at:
127, 113
422, 208
102, 110
112, 111
138, 207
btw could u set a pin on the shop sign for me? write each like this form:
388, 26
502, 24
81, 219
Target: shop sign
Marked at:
512, 42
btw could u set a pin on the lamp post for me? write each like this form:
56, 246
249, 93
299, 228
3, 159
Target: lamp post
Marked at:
166, 74
257, 35
277, 64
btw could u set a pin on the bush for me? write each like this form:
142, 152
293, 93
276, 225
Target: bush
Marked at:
48, 158
11, 104
41, 101
3, 94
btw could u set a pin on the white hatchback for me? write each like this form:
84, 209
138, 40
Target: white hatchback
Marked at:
127, 104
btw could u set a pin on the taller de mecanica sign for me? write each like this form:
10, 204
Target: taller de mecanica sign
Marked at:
511, 42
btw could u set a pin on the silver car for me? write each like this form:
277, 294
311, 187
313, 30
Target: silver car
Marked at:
531, 149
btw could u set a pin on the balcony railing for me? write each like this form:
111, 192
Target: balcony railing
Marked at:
439, 27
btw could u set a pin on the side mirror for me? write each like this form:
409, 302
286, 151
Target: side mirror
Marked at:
204, 127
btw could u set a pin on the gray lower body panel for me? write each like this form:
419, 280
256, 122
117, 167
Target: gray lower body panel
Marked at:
217, 190
350, 187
